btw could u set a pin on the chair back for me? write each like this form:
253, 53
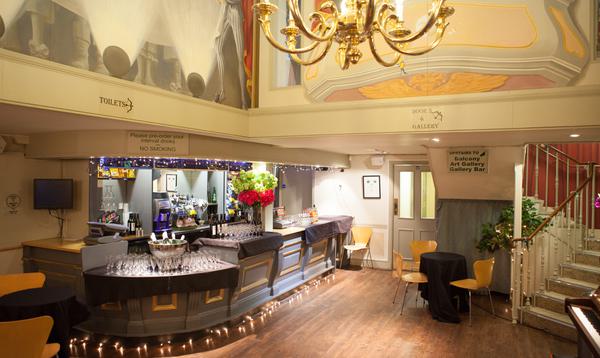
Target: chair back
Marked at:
484, 270
419, 247
25, 338
398, 263
361, 235
20, 281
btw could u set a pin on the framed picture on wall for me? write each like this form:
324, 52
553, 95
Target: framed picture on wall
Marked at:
171, 182
371, 187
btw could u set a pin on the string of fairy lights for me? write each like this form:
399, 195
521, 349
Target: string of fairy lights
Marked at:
168, 163
195, 163
211, 338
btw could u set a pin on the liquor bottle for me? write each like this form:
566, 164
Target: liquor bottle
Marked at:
131, 225
213, 227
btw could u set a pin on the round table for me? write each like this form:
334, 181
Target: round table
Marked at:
56, 302
441, 268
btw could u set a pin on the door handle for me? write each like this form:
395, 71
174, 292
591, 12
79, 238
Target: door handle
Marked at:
396, 206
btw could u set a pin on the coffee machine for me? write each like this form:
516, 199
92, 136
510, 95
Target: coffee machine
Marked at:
161, 212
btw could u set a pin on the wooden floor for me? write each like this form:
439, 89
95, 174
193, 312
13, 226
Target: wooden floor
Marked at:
353, 316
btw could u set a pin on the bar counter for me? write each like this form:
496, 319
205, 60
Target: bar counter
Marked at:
283, 262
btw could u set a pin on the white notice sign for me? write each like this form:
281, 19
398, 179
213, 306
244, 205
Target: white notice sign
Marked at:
468, 160
158, 143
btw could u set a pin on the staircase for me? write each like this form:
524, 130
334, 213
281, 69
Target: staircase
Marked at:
563, 256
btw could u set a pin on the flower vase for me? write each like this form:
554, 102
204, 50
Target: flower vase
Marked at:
267, 217
253, 215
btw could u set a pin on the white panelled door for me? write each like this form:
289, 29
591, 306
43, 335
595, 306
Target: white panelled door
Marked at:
414, 206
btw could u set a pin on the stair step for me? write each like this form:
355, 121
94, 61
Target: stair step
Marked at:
551, 301
588, 257
569, 287
581, 272
593, 244
552, 322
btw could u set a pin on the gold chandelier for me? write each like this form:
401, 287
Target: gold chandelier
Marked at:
355, 22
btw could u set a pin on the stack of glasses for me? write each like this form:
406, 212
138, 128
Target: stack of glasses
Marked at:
148, 265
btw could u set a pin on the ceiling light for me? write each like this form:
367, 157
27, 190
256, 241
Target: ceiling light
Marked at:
437, 140
574, 135
351, 24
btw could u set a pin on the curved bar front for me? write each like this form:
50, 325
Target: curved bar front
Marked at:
253, 274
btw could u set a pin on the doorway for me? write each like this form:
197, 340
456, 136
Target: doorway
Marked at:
414, 203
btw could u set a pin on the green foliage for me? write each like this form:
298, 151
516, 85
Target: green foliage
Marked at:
498, 236
253, 181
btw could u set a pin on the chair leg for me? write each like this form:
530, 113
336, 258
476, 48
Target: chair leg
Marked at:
491, 302
371, 258
397, 288
404, 298
470, 308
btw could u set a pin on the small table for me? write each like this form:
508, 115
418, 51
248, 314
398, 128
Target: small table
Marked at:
441, 268
57, 302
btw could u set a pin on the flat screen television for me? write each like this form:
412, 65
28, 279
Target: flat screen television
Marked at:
52, 193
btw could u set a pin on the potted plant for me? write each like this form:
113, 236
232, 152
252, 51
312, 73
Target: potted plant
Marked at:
498, 236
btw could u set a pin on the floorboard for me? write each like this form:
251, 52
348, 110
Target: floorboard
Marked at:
353, 316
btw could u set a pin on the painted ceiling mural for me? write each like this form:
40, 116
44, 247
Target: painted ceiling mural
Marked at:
489, 46
201, 48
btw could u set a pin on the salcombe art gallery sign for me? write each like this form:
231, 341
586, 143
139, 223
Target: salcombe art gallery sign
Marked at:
470, 161
158, 143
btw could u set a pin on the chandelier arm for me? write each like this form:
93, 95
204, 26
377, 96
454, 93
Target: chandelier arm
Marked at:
266, 26
322, 55
370, 16
296, 15
433, 18
422, 50
379, 58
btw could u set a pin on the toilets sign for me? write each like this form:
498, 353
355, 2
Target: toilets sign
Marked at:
470, 161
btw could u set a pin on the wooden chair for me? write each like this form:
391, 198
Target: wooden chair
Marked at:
20, 281
27, 338
418, 248
413, 277
484, 270
361, 237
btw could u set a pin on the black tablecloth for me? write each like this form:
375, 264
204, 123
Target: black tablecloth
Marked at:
57, 302
343, 223
101, 287
441, 268
269, 241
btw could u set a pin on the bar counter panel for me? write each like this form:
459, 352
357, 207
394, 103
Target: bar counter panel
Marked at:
260, 278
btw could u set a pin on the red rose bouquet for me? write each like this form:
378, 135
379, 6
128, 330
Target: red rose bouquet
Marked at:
249, 197
266, 197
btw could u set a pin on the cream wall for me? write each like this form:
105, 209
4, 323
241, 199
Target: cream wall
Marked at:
496, 184
341, 193
29, 224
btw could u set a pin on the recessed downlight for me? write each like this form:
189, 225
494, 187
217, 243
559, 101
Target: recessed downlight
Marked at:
574, 135
437, 140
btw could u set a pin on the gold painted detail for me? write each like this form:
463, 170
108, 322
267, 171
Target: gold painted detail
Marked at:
164, 307
321, 248
111, 306
293, 267
570, 40
432, 84
209, 298
268, 263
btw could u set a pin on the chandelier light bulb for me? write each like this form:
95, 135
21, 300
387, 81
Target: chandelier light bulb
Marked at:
343, 7
400, 9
